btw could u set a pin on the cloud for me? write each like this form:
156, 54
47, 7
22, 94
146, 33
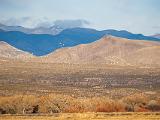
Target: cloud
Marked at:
65, 23
71, 23
31, 22
46, 24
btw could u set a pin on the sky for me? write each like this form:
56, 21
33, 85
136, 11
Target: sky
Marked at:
137, 16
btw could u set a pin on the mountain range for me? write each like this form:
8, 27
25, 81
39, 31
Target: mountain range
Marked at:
43, 44
108, 50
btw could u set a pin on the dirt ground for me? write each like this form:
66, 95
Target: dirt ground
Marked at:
86, 116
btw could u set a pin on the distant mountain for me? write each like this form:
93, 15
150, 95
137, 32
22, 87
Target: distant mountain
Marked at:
14, 28
7, 51
128, 35
42, 44
109, 50
38, 30
46, 27
156, 36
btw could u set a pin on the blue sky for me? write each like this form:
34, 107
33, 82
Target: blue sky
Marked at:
137, 16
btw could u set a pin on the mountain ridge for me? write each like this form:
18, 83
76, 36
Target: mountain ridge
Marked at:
42, 44
108, 50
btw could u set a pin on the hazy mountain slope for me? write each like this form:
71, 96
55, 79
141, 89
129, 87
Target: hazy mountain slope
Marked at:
156, 36
108, 50
7, 51
38, 30
42, 44
36, 44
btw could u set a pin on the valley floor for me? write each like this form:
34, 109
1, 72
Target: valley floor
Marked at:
76, 80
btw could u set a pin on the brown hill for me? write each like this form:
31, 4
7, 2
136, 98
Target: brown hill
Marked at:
109, 50
7, 51
146, 56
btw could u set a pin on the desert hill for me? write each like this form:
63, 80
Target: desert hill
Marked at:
7, 51
109, 50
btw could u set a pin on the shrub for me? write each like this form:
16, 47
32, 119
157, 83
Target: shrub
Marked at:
52, 103
108, 105
136, 100
77, 108
18, 104
2, 111
153, 105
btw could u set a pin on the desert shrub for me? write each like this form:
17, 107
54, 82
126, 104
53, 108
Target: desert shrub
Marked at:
18, 104
2, 111
129, 108
35, 109
74, 105
136, 100
108, 105
153, 105
47, 105
28, 104
141, 109
89, 104
74, 108
53, 103
10, 104
118, 106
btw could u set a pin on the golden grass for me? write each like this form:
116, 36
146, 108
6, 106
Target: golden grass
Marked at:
86, 116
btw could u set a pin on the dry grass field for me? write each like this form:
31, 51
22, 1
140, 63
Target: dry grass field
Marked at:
86, 116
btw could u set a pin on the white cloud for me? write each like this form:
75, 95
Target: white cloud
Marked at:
71, 23
31, 22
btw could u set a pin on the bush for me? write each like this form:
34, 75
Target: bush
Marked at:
153, 105
77, 108
18, 104
108, 105
136, 100
52, 103
2, 111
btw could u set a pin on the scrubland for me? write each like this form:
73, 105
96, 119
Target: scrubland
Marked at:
59, 91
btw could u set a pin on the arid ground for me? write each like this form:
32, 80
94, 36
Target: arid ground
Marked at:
77, 80
45, 88
84, 116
